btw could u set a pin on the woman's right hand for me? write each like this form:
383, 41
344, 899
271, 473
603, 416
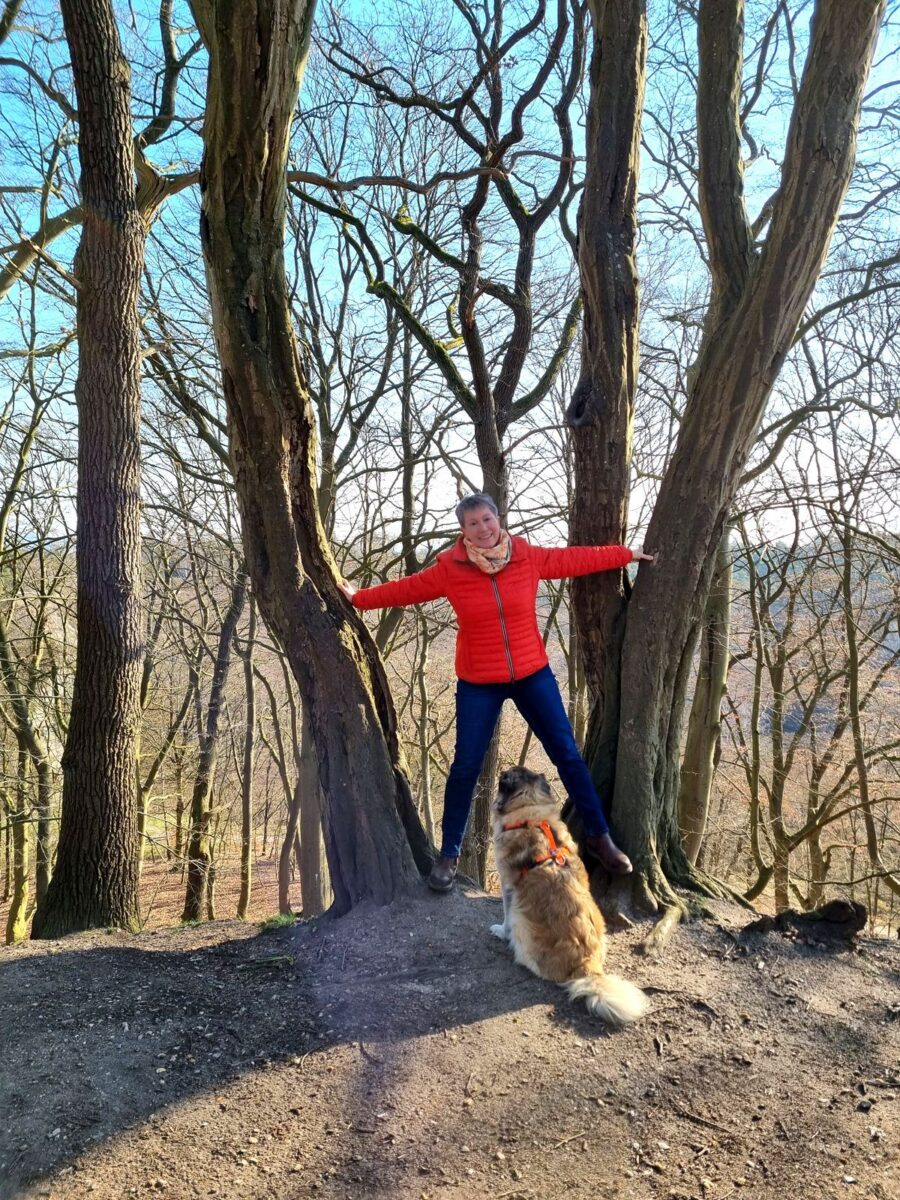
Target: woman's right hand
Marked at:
347, 588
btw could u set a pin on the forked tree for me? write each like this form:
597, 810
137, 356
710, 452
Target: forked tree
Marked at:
257, 53
640, 648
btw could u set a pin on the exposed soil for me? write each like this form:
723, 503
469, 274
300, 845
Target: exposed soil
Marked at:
400, 1053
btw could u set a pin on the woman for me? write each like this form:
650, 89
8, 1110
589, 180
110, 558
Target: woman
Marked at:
491, 580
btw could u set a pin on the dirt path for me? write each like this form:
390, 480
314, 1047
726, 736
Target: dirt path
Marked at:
399, 1053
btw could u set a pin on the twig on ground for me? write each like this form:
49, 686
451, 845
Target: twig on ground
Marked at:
698, 1120
273, 960
566, 1140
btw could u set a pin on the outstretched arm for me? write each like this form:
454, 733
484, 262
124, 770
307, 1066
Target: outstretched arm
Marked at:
565, 562
413, 589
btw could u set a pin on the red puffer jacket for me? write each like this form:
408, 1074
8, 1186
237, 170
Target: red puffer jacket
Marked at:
498, 638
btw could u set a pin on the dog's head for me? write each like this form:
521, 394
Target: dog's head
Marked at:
520, 788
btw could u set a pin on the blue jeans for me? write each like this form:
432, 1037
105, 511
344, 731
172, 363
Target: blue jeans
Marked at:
538, 700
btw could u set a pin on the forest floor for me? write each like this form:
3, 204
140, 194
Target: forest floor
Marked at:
400, 1053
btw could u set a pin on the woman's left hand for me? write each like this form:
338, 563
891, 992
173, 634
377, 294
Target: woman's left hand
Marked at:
640, 556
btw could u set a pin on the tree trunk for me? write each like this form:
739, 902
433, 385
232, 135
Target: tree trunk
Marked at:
601, 413
211, 890
17, 917
755, 308
7, 853
257, 53
197, 895
781, 867
287, 849
314, 888
43, 850
873, 842
818, 869
96, 879
247, 777
577, 683
701, 750
473, 855
178, 762
423, 730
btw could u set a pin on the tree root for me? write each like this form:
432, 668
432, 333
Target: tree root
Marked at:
650, 891
713, 889
658, 938
646, 892
682, 873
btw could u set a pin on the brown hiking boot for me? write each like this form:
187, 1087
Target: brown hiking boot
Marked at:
608, 855
442, 874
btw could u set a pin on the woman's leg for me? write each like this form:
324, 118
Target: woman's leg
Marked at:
477, 709
538, 700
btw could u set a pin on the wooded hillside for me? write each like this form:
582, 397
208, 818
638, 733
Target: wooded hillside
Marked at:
630, 269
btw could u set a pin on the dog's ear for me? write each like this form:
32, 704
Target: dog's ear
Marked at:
544, 786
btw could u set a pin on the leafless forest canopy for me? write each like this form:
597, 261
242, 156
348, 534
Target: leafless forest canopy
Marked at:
383, 173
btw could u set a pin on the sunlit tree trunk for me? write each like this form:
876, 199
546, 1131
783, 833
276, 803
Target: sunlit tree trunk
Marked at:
601, 413
257, 52
315, 891
705, 723
96, 877
198, 893
17, 917
757, 301
247, 774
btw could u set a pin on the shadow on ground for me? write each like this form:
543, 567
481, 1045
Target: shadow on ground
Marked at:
376, 1054
98, 1036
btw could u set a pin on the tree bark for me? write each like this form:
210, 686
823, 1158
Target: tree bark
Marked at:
314, 888
96, 878
287, 849
257, 53
7, 851
423, 730
17, 917
198, 893
701, 749
247, 775
178, 764
738, 364
601, 413
43, 849
754, 312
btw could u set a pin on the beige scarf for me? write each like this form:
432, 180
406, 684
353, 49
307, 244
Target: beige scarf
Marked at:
494, 558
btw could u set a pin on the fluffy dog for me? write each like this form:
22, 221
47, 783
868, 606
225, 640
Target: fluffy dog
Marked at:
549, 916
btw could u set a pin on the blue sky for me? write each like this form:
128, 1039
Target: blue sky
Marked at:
669, 255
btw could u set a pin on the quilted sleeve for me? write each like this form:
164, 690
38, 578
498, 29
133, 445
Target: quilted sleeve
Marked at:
413, 589
564, 562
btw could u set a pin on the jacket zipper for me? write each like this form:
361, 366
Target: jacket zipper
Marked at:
512, 673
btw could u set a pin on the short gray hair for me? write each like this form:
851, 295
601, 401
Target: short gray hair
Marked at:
476, 500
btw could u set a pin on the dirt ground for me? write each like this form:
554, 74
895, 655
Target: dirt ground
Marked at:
400, 1053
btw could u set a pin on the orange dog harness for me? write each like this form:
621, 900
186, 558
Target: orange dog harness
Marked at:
558, 855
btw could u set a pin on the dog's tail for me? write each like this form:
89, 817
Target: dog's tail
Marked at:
609, 997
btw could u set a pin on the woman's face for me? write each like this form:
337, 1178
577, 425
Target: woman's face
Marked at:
481, 527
